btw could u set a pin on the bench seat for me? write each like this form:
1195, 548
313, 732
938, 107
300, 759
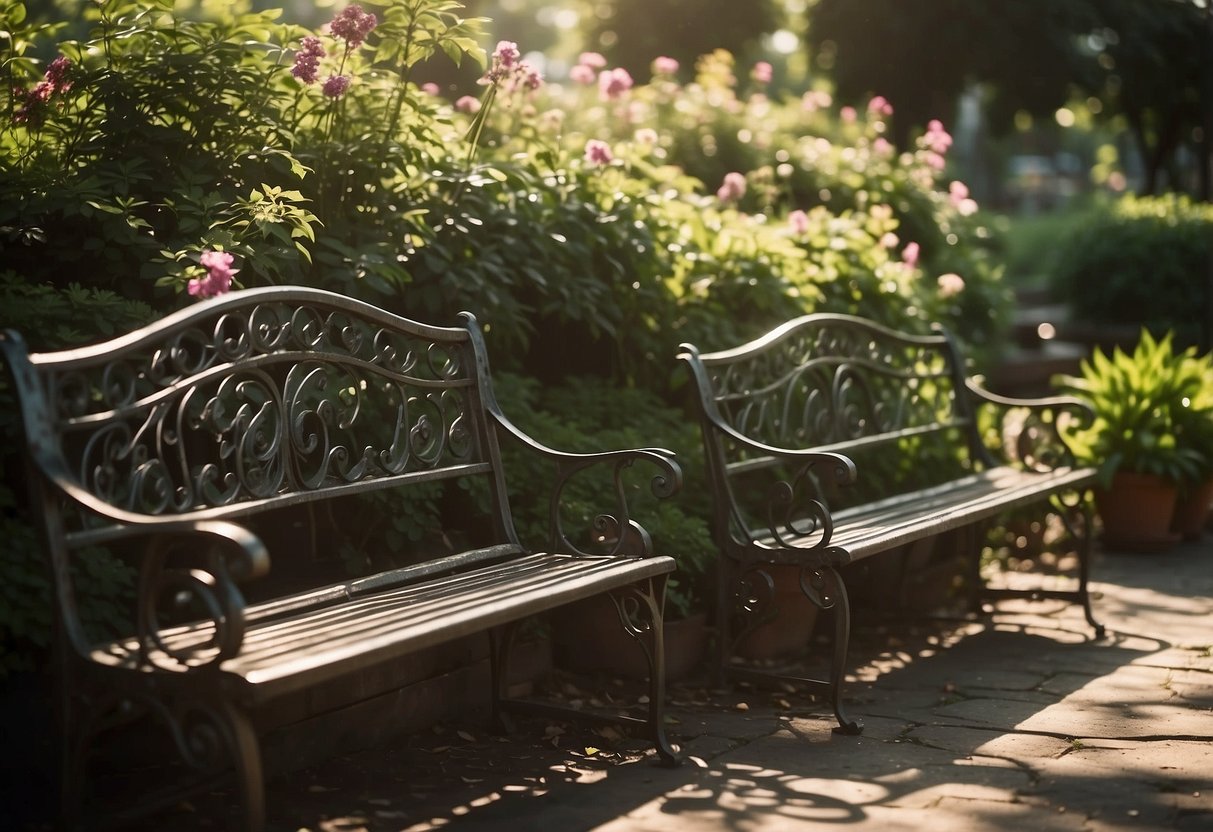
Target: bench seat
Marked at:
348, 627
833, 439
327, 437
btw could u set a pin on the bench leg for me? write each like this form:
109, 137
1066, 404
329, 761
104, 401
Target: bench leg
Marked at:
832, 595
501, 642
1077, 515
640, 608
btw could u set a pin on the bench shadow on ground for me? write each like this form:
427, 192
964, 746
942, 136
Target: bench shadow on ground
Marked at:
961, 717
964, 718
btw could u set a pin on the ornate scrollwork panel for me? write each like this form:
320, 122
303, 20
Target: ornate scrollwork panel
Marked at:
256, 401
832, 383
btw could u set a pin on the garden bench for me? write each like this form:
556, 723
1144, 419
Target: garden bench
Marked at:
832, 439
167, 444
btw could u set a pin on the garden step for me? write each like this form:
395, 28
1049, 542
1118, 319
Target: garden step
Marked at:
1028, 371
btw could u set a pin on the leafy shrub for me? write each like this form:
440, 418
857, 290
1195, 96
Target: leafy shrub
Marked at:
50, 319
1142, 261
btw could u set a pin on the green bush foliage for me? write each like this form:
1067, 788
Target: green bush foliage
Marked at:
1142, 261
591, 225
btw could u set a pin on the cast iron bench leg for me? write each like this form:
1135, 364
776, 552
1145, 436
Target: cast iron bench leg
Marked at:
835, 596
640, 612
501, 642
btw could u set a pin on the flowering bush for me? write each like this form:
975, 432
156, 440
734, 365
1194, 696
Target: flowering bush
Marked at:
591, 225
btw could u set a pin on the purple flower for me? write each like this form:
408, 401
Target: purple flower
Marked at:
506, 54
613, 83
598, 152
32, 104
732, 188
353, 25
218, 278
307, 60
336, 86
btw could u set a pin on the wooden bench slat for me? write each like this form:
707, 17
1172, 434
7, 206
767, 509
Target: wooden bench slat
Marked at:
879, 526
287, 653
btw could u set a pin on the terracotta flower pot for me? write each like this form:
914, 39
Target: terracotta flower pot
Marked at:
589, 638
1136, 512
1192, 510
791, 628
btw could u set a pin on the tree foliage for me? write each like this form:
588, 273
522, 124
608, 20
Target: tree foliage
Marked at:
1143, 59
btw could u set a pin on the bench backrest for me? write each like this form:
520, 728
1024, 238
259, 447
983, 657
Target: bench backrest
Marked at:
253, 401
829, 382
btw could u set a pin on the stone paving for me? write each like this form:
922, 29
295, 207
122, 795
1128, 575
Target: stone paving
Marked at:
1019, 720
1015, 721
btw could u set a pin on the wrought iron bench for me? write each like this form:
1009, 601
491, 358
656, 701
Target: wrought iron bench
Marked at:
166, 444
832, 439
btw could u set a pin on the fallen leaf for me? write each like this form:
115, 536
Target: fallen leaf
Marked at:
590, 750
466, 736
742, 706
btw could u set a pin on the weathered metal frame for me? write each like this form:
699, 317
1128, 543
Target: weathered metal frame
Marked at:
166, 437
805, 398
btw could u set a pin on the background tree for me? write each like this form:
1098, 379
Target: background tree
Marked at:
634, 32
1143, 59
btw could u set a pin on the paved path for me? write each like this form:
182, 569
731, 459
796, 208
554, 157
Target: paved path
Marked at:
1020, 721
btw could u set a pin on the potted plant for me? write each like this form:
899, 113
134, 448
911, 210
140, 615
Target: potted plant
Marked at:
1142, 438
1194, 425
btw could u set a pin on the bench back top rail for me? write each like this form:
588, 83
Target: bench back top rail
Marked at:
833, 382
256, 400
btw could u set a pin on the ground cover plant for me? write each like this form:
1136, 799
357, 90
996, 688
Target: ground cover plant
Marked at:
167, 154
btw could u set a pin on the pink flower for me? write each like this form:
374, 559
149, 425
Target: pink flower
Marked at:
909, 254
957, 191
950, 284
583, 74
431, 88
531, 79
56, 74
665, 66
218, 279
936, 138
848, 115
467, 104
598, 152
592, 59
732, 188
646, 135
762, 72
881, 147
816, 100
798, 221
612, 83
307, 60
935, 160
506, 54
336, 86
353, 25
880, 106
33, 103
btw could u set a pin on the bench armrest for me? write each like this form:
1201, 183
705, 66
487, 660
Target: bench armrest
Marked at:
1029, 432
614, 533
796, 524
189, 571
